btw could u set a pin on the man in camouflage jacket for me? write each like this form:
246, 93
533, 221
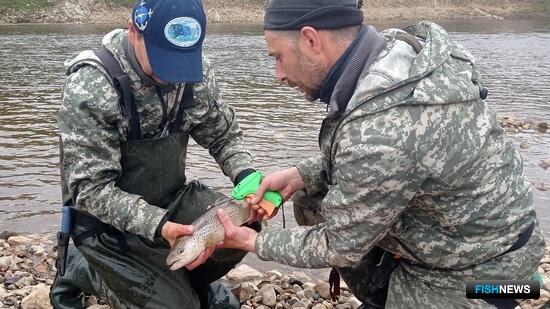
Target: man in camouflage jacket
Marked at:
413, 164
129, 193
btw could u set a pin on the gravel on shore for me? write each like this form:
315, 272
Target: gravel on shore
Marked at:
27, 269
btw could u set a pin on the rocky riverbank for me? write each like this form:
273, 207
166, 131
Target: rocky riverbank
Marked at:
27, 269
514, 125
251, 11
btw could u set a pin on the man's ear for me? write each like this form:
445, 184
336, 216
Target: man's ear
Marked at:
310, 39
132, 32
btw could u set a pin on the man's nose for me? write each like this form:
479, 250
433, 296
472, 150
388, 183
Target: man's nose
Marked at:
280, 74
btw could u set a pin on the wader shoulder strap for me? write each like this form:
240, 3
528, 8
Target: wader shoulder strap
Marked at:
186, 102
122, 84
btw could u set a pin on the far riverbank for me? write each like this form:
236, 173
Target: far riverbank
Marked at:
251, 11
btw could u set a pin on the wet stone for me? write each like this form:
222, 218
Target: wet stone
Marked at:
285, 296
311, 294
323, 288
25, 281
343, 306
19, 240
256, 299
278, 289
37, 249
354, 303
268, 295
342, 300
11, 280
5, 262
246, 291
300, 276
524, 145
274, 273
292, 300
294, 281
4, 235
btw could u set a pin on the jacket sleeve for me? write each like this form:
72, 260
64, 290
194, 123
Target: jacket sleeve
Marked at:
217, 128
374, 183
89, 123
310, 170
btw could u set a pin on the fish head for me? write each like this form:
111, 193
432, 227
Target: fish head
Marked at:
184, 251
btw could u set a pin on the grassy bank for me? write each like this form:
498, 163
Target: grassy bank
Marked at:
544, 6
26, 6
251, 11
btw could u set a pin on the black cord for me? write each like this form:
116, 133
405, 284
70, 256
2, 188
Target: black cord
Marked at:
284, 219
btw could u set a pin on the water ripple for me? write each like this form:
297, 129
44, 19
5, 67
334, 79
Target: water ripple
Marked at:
280, 127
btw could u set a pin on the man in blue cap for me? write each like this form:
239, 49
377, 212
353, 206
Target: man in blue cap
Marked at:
127, 112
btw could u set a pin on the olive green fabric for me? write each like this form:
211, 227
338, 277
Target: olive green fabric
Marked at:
127, 270
156, 180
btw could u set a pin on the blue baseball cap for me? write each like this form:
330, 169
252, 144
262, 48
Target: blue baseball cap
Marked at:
173, 31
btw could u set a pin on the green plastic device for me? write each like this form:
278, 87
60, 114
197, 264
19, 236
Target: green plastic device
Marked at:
248, 187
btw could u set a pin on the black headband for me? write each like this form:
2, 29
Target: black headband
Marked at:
315, 13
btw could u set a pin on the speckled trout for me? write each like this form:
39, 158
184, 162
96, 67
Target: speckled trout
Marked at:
208, 232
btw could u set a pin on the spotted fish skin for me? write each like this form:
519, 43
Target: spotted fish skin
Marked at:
208, 232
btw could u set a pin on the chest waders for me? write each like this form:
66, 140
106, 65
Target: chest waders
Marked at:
124, 269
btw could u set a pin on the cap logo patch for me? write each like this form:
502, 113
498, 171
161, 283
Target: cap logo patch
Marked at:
183, 31
142, 15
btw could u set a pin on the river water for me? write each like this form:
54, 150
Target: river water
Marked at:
280, 126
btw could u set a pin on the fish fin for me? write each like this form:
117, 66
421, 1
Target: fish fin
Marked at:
220, 202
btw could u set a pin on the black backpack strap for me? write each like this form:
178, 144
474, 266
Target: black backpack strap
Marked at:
122, 84
186, 102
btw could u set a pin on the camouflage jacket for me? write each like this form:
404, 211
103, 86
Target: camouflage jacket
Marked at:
417, 164
92, 129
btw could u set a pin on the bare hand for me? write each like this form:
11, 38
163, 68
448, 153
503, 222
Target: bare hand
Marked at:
253, 213
257, 213
171, 231
237, 237
201, 259
287, 182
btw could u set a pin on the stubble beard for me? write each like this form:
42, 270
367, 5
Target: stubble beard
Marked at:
313, 74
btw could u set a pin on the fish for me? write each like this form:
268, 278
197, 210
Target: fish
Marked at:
208, 232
